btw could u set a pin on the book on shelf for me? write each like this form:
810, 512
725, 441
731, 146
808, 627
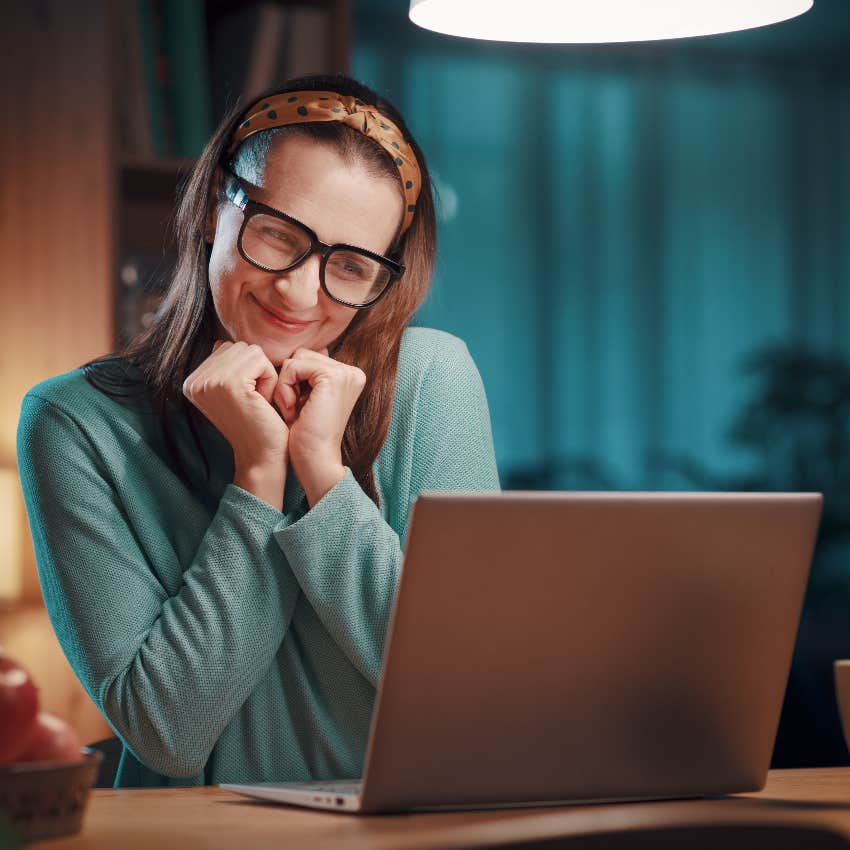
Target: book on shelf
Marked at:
164, 100
308, 42
135, 128
180, 73
151, 66
257, 46
184, 41
266, 59
246, 53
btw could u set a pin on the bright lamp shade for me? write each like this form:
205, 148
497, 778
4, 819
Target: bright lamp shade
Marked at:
598, 21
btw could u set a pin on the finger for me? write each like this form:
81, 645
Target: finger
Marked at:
318, 355
267, 382
197, 378
285, 399
285, 396
304, 365
286, 413
241, 362
300, 372
289, 383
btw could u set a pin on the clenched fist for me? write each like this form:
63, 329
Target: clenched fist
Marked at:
235, 389
318, 394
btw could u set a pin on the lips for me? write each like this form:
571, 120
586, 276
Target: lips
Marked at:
282, 316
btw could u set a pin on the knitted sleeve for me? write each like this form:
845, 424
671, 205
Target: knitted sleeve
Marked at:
343, 552
167, 672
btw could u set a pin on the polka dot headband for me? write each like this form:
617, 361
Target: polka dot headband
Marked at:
300, 107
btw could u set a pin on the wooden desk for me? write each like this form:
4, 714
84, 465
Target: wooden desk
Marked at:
211, 818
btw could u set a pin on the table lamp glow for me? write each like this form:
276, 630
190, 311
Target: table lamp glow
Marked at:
598, 21
11, 542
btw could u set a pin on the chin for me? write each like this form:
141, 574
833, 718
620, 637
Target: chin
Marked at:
277, 353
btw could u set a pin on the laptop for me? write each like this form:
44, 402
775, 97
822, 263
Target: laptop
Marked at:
552, 648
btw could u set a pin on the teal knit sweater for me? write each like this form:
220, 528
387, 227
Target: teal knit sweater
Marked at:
224, 640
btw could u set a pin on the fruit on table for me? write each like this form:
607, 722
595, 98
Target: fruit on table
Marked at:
18, 708
53, 740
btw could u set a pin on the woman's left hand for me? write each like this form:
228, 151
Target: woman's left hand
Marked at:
315, 395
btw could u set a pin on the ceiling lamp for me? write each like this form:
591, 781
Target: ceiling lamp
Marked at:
597, 21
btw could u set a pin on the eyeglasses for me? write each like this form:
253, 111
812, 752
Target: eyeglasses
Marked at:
276, 242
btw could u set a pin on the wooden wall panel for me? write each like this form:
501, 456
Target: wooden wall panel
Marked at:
56, 214
56, 203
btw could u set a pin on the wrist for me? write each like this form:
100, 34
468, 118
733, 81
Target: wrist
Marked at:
266, 482
317, 481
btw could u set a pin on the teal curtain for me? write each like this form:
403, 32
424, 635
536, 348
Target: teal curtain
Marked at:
616, 239
620, 234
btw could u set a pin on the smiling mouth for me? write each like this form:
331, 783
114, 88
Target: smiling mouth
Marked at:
278, 321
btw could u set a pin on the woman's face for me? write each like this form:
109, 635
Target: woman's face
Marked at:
341, 203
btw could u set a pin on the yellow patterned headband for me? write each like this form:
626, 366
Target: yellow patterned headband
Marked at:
299, 107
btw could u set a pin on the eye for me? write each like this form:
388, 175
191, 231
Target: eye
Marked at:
277, 234
351, 267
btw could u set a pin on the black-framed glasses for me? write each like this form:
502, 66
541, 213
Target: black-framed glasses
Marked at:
276, 242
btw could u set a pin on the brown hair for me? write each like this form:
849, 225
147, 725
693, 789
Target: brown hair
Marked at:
183, 331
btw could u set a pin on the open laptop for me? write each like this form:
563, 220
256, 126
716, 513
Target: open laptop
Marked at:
548, 648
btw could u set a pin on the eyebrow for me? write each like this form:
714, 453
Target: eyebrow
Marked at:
247, 185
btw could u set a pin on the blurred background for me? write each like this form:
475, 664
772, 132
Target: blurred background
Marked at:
646, 248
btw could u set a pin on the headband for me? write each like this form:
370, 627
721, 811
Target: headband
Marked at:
300, 107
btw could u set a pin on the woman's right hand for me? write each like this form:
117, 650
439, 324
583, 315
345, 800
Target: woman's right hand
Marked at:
234, 388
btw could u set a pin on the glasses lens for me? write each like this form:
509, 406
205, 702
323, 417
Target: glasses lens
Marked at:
354, 277
272, 242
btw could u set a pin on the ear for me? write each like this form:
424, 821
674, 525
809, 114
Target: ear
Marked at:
212, 206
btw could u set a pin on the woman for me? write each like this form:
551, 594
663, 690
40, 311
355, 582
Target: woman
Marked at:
219, 510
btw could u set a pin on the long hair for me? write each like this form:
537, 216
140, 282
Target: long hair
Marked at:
183, 331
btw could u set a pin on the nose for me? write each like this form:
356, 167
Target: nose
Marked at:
299, 287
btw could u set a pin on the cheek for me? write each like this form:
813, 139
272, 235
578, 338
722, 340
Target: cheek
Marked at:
224, 257
338, 318
222, 273
222, 264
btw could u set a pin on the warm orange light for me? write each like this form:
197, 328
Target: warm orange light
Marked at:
11, 544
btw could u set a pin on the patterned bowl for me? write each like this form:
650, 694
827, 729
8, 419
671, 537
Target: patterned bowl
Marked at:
45, 799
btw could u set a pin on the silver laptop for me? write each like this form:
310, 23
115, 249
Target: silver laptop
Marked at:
548, 648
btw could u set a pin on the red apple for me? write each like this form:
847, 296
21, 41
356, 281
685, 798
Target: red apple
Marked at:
53, 740
18, 708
